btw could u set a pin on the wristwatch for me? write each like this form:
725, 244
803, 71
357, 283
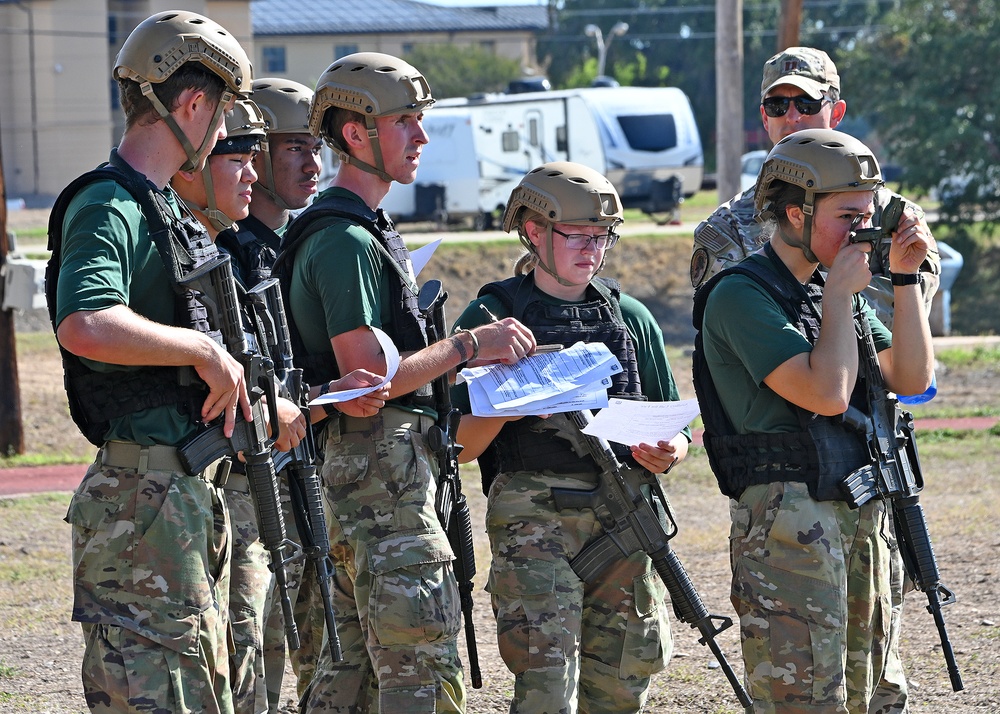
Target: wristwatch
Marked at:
331, 408
906, 278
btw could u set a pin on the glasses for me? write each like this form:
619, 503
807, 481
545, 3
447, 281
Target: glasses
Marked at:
778, 106
579, 241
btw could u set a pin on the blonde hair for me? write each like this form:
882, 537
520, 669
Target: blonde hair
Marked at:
528, 260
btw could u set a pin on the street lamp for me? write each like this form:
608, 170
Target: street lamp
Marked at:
620, 28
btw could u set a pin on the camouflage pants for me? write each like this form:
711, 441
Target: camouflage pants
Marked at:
814, 584
150, 582
572, 646
398, 612
250, 581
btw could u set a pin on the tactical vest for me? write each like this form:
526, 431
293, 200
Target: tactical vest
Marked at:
527, 444
407, 329
825, 450
95, 398
254, 248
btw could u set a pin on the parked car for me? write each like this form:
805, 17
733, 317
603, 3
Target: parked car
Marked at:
750, 164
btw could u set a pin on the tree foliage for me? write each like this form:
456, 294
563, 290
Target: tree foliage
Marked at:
456, 71
932, 89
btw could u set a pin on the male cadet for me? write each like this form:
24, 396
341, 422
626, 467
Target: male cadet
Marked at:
397, 603
288, 172
800, 90
150, 539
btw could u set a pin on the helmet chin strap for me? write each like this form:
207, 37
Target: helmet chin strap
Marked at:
194, 158
266, 184
219, 220
379, 168
808, 208
549, 253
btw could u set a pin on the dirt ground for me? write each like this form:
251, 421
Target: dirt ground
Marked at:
40, 650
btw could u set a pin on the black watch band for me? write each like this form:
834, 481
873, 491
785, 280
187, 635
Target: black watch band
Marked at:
906, 278
330, 409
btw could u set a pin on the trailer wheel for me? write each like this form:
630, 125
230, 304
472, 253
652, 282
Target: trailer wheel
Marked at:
483, 221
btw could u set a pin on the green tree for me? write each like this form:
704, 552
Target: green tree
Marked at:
456, 71
932, 90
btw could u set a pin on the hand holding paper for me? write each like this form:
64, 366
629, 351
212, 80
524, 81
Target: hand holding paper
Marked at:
391, 364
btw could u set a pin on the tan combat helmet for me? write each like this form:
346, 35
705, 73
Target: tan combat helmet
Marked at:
373, 85
285, 106
819, 161
245, 133
163, 42
561, 192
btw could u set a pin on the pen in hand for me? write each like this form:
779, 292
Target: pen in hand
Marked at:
489, 315
539, 349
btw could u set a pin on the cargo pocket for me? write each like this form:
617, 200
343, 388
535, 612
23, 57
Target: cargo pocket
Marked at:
805, 622
347, 457
647, 644
414, 597
530, 633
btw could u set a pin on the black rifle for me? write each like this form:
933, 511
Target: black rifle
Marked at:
299, 463
631, 524
895, 474
217, 290
450, 504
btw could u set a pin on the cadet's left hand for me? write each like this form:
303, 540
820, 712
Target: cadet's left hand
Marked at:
910, 243
291, 425
661, 457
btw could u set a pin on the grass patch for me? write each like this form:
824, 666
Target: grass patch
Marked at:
976, 358
7, 671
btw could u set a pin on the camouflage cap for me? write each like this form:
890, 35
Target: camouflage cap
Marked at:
807, 68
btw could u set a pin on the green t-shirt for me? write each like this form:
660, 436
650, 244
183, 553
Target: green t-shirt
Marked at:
339, 282
109, 260
657, 378
746, 336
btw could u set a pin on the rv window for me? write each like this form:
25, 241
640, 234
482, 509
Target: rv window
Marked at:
649, 132
510, 141
562, 146
533, 131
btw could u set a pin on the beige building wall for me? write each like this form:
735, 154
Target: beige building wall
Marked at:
59, 115
307, 56
54, 93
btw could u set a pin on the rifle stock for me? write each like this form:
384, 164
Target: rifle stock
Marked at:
895, 474
450, 503
632, 524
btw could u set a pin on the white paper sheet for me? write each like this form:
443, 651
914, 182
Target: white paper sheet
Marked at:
391, 363
630, 423
592, 396
543, 377
419, 257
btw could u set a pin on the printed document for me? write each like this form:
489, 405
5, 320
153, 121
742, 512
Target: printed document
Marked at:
548, 383
629, 422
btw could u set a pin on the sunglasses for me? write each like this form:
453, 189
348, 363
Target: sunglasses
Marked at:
778, 106
579, 241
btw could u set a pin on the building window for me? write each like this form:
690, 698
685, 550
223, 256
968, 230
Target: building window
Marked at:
488, 46
273, 60
407, 48
343, 50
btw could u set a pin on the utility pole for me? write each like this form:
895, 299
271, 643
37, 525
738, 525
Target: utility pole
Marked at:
789, 24
11, 430
728, 95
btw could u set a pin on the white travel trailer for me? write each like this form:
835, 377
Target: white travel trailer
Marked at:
643, 138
